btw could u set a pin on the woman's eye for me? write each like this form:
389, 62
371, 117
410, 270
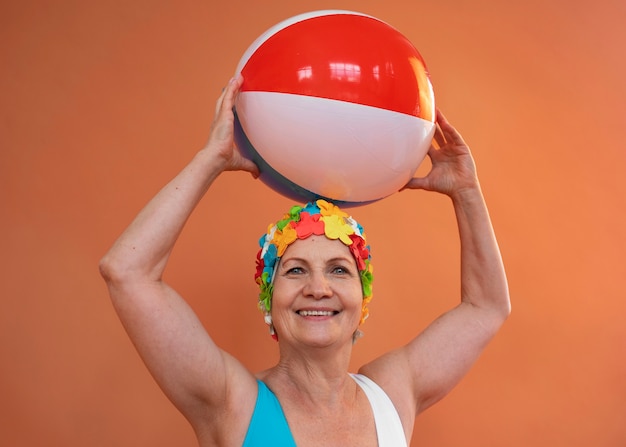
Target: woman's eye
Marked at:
340, 270
295, 271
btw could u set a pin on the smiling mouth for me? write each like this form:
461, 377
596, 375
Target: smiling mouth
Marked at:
317, 313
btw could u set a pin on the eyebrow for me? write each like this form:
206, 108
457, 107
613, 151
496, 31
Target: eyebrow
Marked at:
348, 259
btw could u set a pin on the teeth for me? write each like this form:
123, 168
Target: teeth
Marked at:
316, 313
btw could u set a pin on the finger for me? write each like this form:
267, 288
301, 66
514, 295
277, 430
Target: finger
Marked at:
252, 168
227, 97
439, 137
416, 183
449, 132
220, 100
233, 88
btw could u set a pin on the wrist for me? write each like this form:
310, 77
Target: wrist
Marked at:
467, 194
207, 165
211, 160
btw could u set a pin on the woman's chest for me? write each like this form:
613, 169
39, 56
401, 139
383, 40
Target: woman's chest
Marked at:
350, 426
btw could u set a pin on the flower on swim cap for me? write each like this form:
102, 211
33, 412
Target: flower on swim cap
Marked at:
314, 218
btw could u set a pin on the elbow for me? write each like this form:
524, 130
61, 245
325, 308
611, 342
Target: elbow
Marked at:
120, 271
496, 315
118, 278
504, 309
508, 308
110, 272
498, 309
108, 269
500, 301
506, 301
113, 270
494, 301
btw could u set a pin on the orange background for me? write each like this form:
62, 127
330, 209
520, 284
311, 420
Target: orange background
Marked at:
103, 102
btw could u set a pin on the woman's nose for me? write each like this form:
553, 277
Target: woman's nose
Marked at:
317, 286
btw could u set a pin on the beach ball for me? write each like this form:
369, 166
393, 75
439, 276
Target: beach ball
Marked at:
335, 105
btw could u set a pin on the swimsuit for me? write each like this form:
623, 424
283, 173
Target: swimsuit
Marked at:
388, 425
268, 425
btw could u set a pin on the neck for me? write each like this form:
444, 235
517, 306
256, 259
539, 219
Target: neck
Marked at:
314, 373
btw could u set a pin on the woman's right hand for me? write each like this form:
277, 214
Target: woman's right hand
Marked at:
221, 138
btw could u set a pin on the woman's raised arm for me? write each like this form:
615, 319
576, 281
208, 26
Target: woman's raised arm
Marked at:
177, 350
436, 360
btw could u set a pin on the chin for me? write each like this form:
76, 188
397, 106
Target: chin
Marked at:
325, 340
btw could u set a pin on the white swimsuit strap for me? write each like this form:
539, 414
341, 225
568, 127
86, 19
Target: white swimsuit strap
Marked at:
388, 425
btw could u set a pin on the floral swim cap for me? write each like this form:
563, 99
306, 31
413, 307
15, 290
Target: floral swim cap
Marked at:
319, 218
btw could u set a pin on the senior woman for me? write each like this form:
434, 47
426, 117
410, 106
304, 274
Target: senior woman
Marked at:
315, 277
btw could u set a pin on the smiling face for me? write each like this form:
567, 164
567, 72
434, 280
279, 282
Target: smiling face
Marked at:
317, 296
314, 218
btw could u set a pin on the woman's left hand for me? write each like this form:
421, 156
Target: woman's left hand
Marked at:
453, 169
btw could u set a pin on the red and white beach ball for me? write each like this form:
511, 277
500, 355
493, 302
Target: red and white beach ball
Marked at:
335, 105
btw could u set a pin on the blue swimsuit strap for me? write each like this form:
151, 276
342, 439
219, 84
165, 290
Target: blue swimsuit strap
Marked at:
268, 425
